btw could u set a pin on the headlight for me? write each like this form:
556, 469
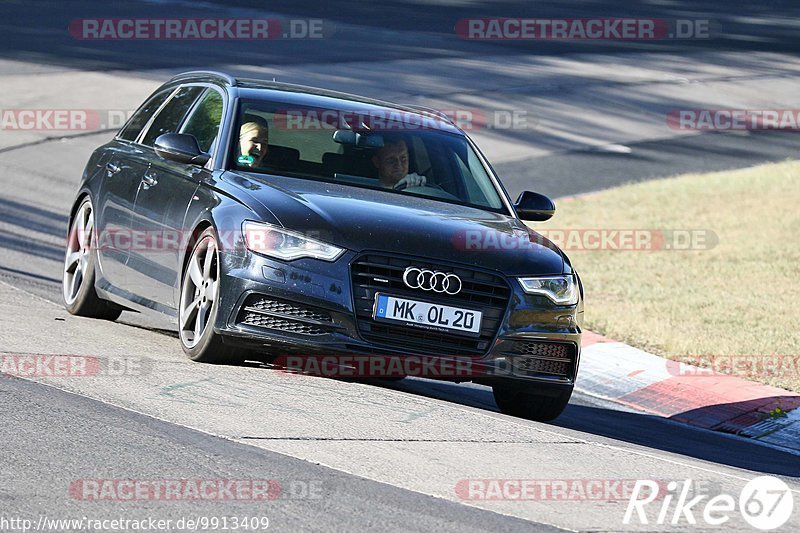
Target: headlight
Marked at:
562, 290
274, 241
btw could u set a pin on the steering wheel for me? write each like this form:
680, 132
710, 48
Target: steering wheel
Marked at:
402, 186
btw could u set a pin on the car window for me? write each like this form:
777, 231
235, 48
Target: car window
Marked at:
299, 133
170, 117
131, 130
479, 191
205, 119
393, 150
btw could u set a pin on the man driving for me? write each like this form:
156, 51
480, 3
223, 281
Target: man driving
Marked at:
392, 163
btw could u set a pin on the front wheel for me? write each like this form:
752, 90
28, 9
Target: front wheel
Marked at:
199, 304
77, 282
517, 400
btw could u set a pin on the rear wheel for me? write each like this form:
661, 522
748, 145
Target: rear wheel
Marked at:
199, 304
77, 282
517, 400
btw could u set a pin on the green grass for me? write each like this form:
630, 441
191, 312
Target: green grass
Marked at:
738, 297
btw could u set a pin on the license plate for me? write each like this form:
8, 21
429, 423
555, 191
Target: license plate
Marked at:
427, 315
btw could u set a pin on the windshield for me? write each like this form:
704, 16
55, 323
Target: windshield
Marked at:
394, 151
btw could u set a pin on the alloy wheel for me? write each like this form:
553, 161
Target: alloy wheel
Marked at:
79, 249
199, 292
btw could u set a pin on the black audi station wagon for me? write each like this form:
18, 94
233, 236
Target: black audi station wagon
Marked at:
266, 219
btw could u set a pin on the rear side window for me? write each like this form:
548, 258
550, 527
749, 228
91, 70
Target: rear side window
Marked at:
170, 118
205, 119
133, 128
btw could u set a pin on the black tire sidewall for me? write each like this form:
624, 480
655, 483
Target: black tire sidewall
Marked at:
518, 400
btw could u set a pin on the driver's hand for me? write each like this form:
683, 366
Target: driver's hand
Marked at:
412, 180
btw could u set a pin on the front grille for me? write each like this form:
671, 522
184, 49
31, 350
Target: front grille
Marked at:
269, 313
551, 358
481, 291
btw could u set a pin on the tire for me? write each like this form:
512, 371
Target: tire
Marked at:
513, 399
77, 283
199, 305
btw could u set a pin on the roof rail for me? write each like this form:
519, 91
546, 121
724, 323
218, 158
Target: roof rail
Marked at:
227, 78
432, 111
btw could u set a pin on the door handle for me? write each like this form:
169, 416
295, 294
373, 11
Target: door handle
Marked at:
113, 167
149, 179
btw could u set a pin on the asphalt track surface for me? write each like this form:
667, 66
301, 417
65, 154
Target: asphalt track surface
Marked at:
387, 456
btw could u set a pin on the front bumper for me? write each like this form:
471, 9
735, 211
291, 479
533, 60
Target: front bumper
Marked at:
306, 308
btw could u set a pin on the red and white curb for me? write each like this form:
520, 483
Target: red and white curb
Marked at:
626, 375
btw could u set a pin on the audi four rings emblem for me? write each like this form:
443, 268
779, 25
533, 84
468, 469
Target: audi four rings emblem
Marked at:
432, 280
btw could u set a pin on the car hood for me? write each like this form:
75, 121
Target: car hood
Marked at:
362, 219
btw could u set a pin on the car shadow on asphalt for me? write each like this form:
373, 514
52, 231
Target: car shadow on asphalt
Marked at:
632, 427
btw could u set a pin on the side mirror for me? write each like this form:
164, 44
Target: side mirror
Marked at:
180, 147
534, 206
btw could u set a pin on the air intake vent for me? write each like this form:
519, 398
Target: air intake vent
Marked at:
549, 358
269, 313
